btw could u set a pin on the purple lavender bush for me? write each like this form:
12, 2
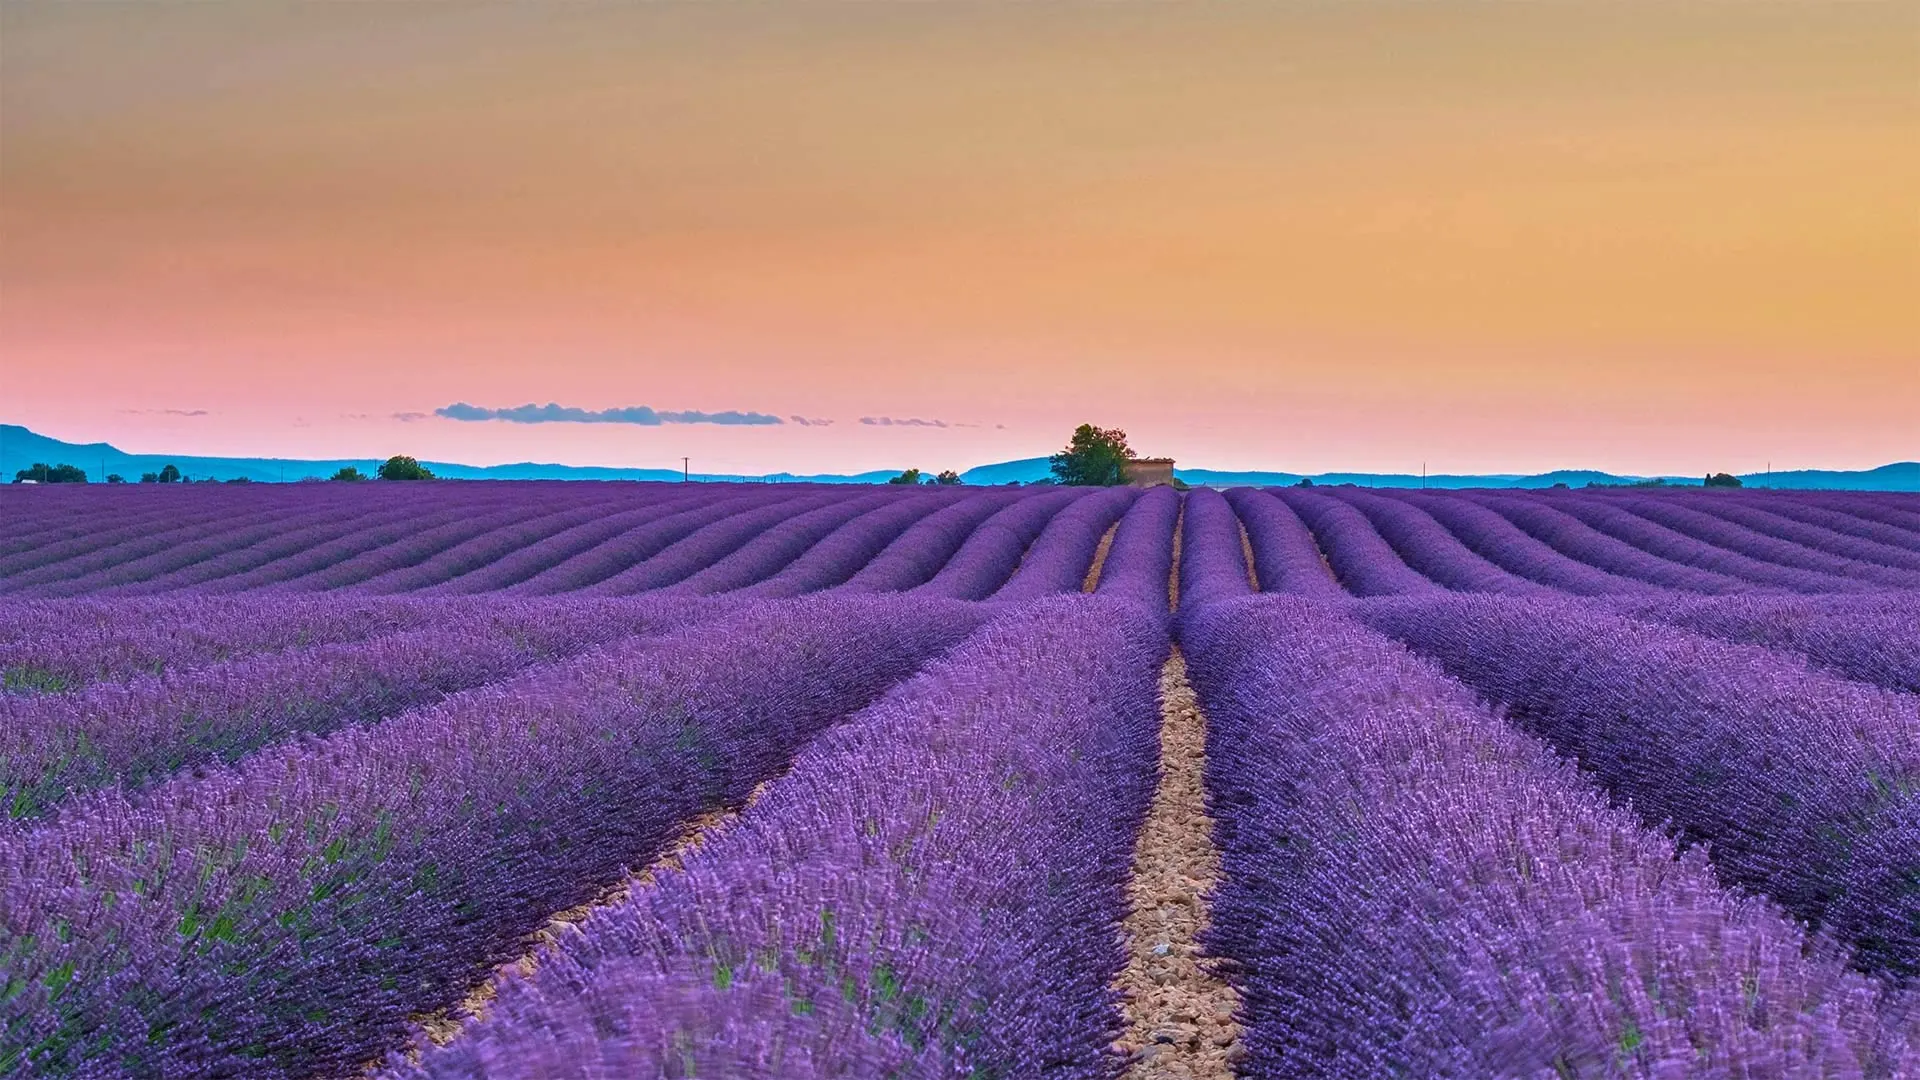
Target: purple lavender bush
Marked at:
1427, 546
993, 551
1213, 562
1806, 787
1365, 564
1285, 557
917, 554
1060, 557
139, 731
1412, 888
1139, 564
285, 917
1502, 543
935, 889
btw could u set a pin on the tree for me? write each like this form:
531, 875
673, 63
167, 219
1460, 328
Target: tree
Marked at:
241, 480
1094, 456
911, 476
402, 467
1305, 481
170, 475
115, 478
1725, 480
42, 473
946, 478
349, 473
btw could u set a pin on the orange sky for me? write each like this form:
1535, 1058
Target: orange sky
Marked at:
1506, 237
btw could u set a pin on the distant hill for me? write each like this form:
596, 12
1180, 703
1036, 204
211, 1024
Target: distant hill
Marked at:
20, 448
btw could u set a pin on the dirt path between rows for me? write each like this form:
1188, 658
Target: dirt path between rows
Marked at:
1179, 1012
445, 1025
1099, 559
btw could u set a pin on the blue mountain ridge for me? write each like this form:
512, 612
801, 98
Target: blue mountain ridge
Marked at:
21, 447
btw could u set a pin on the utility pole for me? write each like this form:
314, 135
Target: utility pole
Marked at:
686, 470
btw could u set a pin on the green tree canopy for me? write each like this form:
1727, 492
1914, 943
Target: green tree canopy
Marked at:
947, 477
43, 473
349, 473
911, 476
1094, 456
402, 467
1720, 479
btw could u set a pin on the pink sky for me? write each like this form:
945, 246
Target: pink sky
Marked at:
1490, 237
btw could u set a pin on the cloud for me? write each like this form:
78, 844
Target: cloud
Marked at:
169, 412
891, 421
552, 413
810, 421
410, 417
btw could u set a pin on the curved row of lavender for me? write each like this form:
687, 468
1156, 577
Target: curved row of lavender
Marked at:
1806, 786
935, 889
1871, 639
1413, 888
774, 540
136, 732
285, 917
61, 645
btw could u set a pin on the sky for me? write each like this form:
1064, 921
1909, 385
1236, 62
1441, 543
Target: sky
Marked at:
1652, 236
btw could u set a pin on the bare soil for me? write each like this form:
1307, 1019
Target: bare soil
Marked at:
1179, 1011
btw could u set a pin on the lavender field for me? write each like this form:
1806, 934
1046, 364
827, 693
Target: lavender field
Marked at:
628, 780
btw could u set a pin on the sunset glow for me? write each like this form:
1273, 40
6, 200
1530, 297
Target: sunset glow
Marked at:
1635, 236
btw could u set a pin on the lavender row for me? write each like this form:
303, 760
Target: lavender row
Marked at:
1139, 563
61, 645
1285, 557
1712, 529
934, 890
412, 550
481, 551
1412, 888
1365, 564
1425, 545
136, 732
714, 541
47, 568
284, 918
1613, 518
1582, 543
775, 549
1213, 560
848, 549
624, 551
215, 561
1807, 787
918, 553
1507, 546
1060, 557
993, 551
1874, 639
1821, 530
537, 555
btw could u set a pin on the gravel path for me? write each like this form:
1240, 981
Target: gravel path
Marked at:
1180, 1019
1099, 559
444, 1026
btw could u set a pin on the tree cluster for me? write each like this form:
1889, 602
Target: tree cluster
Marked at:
1093, 457
1723, 480
42, 473
402, 467
944, 478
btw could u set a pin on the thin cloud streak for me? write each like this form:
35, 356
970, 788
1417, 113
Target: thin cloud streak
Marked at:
554, 413
912, 421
